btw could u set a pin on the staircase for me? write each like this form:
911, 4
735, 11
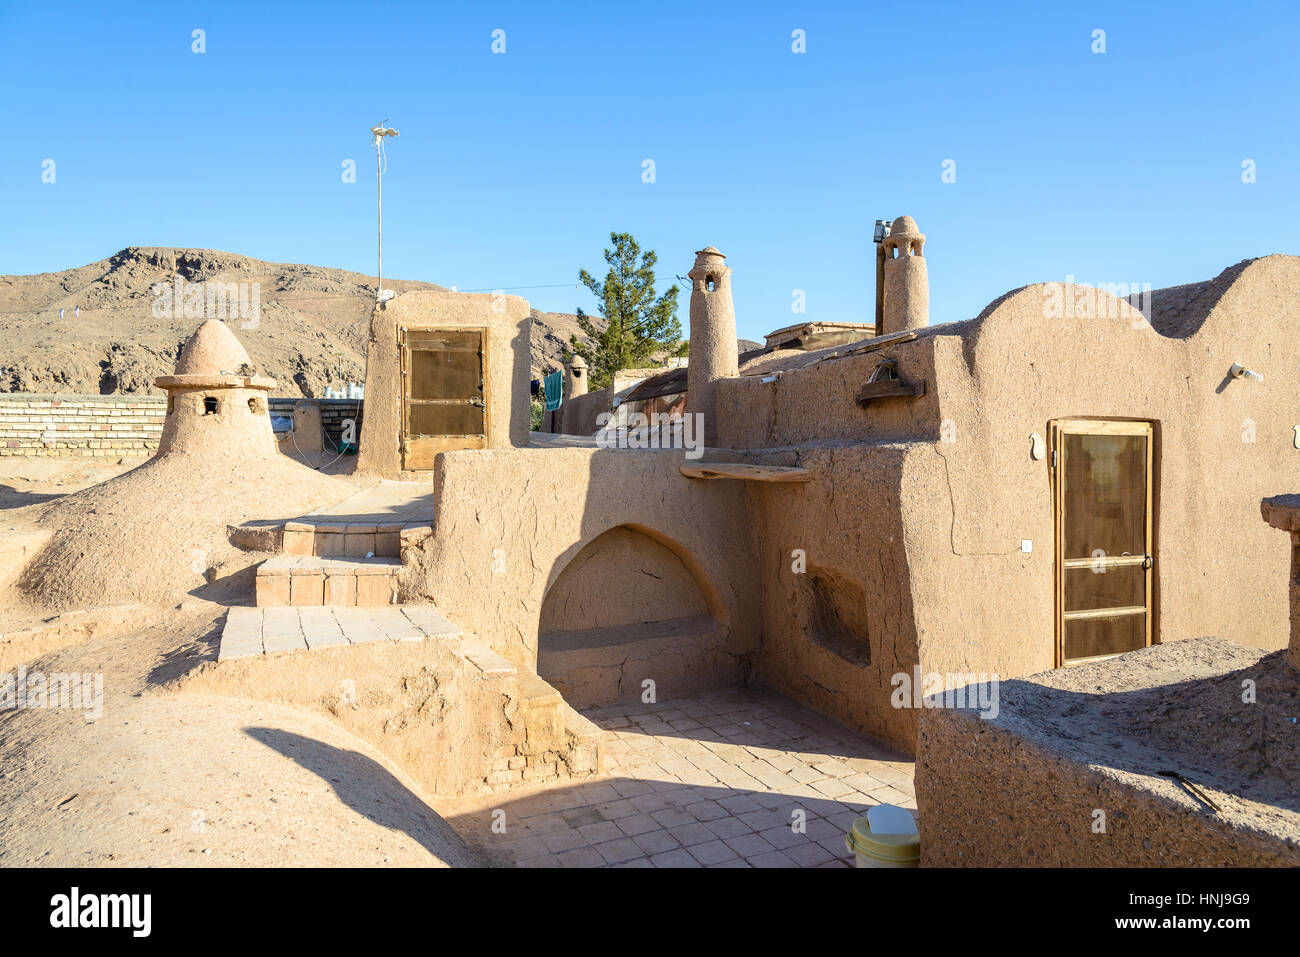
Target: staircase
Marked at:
311, 580
334, 582
334, 579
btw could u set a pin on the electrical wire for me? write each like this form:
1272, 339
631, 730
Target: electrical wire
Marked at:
293, 437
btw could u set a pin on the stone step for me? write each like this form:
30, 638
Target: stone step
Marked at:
328, 539
350, 539
487, 661
257, 631
306, 580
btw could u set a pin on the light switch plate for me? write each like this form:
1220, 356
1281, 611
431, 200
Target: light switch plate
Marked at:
1026, 546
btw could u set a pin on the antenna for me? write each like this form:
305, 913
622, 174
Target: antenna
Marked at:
882, 231
381, 132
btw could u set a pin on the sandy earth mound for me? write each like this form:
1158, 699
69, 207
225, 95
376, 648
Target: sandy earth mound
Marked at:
166, 779
158, 532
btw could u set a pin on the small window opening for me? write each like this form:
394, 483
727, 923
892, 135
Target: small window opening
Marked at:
255, 406
209, 405
710, 283
171, 404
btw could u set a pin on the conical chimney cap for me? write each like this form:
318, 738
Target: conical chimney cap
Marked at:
213, 350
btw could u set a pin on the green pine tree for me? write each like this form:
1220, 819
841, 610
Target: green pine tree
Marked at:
639, 328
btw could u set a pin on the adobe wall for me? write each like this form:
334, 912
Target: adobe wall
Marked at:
507, 321
815, 404
836, 588
1217, 571
510, 521
967, 492
578, 415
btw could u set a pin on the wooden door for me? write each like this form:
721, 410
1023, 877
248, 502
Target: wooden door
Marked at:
444, 393
1105, 559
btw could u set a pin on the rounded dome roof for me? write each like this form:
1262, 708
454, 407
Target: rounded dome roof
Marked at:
212, 350
904, 226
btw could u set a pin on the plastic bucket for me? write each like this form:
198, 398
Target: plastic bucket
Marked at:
882, 850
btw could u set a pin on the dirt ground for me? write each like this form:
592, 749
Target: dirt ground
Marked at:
29, 481
160, 778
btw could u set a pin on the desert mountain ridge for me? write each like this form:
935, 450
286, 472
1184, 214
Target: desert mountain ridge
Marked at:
120, 328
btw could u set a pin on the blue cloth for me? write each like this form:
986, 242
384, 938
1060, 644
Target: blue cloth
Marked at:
554, 386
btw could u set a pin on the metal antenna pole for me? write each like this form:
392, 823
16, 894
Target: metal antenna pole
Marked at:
380, 132
882, 230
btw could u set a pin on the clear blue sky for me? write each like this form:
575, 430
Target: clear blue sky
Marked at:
512, 169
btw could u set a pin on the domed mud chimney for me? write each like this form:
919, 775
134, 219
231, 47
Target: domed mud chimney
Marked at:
575, 383
216, 402
714, 352
907, 284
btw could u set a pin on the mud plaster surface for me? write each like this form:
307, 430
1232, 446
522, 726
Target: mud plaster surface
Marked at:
157, 532
271, 785
1175, 707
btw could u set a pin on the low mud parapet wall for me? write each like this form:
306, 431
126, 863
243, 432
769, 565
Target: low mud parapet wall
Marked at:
1082, 766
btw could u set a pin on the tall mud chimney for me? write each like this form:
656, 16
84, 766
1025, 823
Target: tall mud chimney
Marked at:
714, 352
907, 284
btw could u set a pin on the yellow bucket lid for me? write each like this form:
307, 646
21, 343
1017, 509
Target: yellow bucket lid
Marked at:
885, 847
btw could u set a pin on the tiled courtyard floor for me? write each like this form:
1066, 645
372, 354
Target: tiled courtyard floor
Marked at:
727, 779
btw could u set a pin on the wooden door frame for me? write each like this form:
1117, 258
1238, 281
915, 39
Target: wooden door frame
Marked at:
432, 445
1057, 429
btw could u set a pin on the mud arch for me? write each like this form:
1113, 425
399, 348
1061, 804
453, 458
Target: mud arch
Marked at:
633, 605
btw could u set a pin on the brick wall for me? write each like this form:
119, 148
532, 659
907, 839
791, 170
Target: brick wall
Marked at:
115, 425
80, 425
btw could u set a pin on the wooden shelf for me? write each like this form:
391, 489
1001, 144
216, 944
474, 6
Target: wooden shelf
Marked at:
889, 389
746, 473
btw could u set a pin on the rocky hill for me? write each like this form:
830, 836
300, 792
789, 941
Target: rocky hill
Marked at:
126, 317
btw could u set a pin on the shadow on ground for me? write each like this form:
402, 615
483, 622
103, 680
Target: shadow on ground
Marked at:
11, 497
371, 790
182, 660
630, 822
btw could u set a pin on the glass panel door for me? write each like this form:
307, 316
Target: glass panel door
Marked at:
1104, 560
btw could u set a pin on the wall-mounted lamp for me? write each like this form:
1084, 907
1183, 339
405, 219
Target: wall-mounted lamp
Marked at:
1239, 371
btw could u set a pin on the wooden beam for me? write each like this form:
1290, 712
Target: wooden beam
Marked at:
876, 342
746, 473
